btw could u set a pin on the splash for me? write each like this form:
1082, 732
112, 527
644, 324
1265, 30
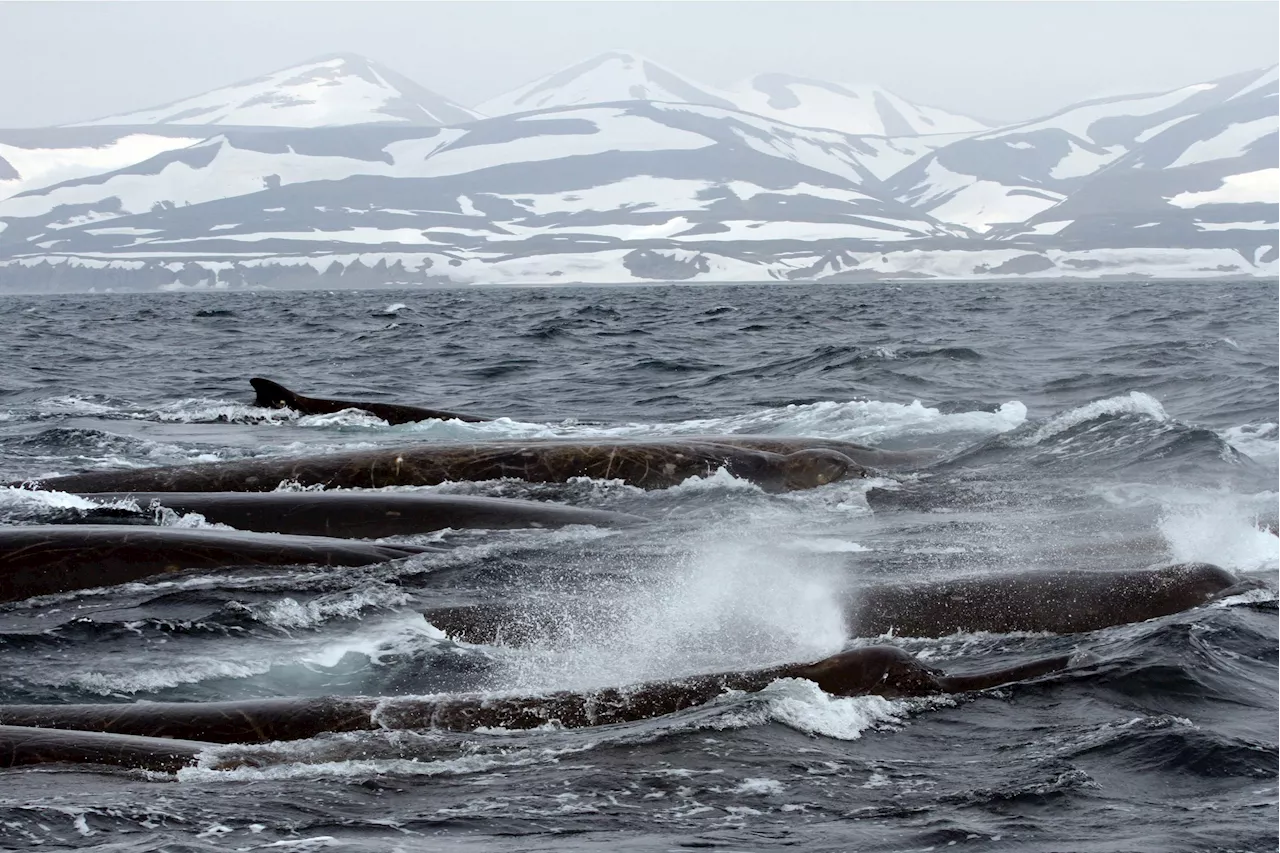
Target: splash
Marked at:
803, 706
1221, 532
725, 601
857, 420
1257, 441
1133, 403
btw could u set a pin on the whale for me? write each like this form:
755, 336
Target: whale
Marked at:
24, 746
46, 559
864, 455
1059, 602
645, 464
366, 514
871, 670
273, 395
1066, 602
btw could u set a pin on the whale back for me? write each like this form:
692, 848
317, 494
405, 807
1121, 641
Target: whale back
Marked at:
22, 746
1065, 602
273, 395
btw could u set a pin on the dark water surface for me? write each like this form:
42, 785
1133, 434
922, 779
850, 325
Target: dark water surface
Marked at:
1115, 425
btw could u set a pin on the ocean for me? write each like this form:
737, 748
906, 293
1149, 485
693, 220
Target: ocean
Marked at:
1112, 425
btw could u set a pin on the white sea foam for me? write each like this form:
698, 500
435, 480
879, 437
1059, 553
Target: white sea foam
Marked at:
867, 420
827, 546
407, 632
202, 410
858, 420
72, 405
190, 521
721, 480
344, 418
802, 705
40, 500
762, 787
1133, 403
1260, 442
1221, 532
288, 613
314, 759
142, 677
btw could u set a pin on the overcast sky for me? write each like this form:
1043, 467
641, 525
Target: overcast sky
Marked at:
70, 61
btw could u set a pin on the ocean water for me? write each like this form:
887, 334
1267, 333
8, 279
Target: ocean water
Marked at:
1113, 425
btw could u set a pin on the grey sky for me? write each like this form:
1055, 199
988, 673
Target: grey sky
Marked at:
69, 61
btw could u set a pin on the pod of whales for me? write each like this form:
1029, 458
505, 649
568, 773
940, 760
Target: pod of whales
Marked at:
1055, 602
368, 514
273, 395
647, 464
40, 560
879, 670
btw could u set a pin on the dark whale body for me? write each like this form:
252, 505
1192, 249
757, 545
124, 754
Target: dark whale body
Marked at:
22, 746
60, 558
1057, 602
273, 395
880, 670
647, 464
368, 514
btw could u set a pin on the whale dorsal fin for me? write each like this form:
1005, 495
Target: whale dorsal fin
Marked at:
272, 395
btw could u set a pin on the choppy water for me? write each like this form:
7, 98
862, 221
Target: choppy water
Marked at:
1115, 425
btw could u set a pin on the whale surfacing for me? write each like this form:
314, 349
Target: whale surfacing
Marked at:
879, 670
368, 514
24, 746
40, 560
273, 395
1056, 602
1065, 602
646, 464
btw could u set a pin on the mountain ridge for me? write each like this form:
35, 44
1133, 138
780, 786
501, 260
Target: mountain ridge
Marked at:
1174, 183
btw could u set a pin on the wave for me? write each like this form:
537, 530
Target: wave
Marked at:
1131, 433
1165, 743
1133, 403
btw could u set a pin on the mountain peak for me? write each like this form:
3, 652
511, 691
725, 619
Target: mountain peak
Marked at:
335, 89
611, 76
855, 108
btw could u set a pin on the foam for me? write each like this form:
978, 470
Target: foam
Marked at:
190, 521
801, 705
141, 678
1218, 530
760, 786
288, 613
16, 498
1257, 441
1133, 403
854, 420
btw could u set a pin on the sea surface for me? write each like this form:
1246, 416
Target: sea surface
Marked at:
1069, 426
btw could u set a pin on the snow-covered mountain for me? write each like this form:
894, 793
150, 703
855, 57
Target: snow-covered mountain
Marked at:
334, 90
617, 76
1012, 174
858, 109
613, 76
1208, 179
1182, 183
610, 174
31, 159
